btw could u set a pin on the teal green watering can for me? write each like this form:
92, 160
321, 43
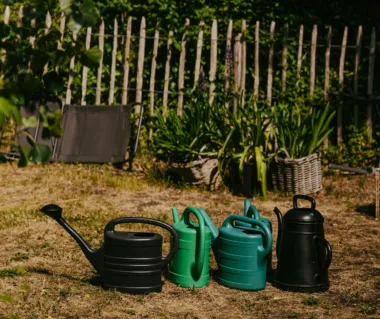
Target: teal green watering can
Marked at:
252, 212
190, 264
241, 252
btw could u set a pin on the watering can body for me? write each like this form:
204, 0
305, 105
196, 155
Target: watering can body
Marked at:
303, 253
241, 253
128, 261
251, 211
190, 264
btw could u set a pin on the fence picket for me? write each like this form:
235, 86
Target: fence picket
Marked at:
140, 64
299, 55
228, 59
327, 73
371, 71
113, 63
48, 26
62, 31
213, 59
237, 68
199, 53
341, 84
356, 71
313, 52
284, 57
127, 48
100, 67
71, 74
7, 14
270, 64
85, 68
20, 16
243, 60
167, 72
153, 73
257, 65
181, 71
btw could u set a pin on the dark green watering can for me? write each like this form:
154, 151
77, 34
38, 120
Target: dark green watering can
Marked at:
251, 211
190, 265
241, 253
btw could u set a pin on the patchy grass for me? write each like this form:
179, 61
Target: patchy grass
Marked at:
58, 282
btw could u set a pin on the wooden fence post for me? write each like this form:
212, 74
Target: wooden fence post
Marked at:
167, 73
257, 62
213, 59
243, 60
113, 63
313, 52
71, 74
237, 69
228, 59
199, 53
140, 64
85, 68
153, 73
7, 14
371, 70
48, 26
181, 70
127, 48
62, 31
270, 64
284, 57
100, 68
299, 55
341, 84
327, 73
356, 71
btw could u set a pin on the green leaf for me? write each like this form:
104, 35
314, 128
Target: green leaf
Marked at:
92, 56
24, 156
75, 23
30, 122
89, 13
40, 154
66, 6
53, 81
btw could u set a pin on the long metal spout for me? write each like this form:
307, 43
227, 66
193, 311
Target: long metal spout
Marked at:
280, 226
95, 256
175, 215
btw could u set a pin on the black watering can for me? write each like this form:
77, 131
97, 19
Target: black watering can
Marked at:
128, 261
303, 253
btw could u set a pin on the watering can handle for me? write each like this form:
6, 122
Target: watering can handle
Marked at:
305, 197
329, 252
125, 220
252, 211
200, 252
229, 223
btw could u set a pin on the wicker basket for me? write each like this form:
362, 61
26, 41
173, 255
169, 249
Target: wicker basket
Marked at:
300, 176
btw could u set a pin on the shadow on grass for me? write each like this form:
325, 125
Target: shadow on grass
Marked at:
95, 280
368, 210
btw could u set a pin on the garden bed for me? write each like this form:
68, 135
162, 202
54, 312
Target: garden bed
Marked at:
44, 274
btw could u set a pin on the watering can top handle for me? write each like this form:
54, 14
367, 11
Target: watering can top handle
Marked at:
252, 211
305, 197
125, 220
201, 243
229, 224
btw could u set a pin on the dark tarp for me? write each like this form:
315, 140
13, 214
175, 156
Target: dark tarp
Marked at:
94, 134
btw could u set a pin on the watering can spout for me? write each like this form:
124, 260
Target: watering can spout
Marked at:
247, 204
280, 226
175, 215
95, 256
213, 230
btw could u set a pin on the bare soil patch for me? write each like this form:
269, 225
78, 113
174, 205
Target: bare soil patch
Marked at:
43, 273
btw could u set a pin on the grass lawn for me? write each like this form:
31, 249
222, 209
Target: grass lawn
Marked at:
43, 273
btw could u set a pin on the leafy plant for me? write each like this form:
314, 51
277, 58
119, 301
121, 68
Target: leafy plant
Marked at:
245, 142
355, 151
28, 73
300, 131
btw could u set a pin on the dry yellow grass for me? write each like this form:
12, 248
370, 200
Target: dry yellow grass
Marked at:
43, 273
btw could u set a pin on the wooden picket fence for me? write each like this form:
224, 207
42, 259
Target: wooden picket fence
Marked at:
236, 43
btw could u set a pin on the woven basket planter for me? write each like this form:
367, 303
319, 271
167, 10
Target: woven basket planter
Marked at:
300, 176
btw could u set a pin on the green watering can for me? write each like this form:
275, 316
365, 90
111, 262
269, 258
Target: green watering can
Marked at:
251, 211
190, 264
241, 253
